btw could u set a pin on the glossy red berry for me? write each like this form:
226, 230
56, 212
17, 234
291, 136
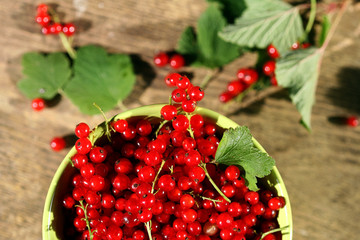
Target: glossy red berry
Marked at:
97, 183
235, 87
83, 145
189, 215
168, 112
143, 127
183, 82
68, 29
352, 121
43, 19
196, 93
225, 97
232, 173
188, 105
166, 183
120, 125
82, 130
38, 104
177, 61
274, 203
55, 28
180, 123
58, 143
252, 197
269, 68
161, 59
247, 76
42, 8
272, 51
178, 95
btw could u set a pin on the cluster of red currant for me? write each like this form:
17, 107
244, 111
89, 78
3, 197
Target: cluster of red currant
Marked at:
155, 180
50, 23
185, 93
175, 60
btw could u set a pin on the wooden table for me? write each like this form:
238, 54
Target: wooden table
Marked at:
321, 169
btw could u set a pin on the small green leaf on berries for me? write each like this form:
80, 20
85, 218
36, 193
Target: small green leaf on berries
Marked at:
209, 50
298, 71
237, 148
99, 77
44, 74
266, 22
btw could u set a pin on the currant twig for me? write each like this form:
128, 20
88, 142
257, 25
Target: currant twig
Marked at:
84, 208
107, 133
310, 21
189, 128
157, 175
160, 126
203, 166
148, 229
273, 231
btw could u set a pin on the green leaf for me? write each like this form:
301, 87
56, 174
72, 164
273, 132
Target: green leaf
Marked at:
265, 22
298, 71
237, 148
209, 50
43, 74
325, 27
101, 78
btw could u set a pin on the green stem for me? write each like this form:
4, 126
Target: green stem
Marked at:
207, 79
240, 97
203, 166
66, 42
160, 126
273, 231
157, 175
311, 20
189, 128
148, 229
84, 208
107, 133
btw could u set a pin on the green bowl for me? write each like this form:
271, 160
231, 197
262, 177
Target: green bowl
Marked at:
52, 228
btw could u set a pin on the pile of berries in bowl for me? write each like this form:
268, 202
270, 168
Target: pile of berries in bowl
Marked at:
167, 172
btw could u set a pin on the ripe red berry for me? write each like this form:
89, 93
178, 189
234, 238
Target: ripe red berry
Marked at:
68, 29
272, 51
168, 112
43, 19
161, 59
178, 95
235, 87
38, 104
83, 145
196, 93
225, 97
55, 28
232, 173
247, 76
273, 80
57, 143
177, 61
82, 130
269, 68
352, 121
42, 8
120, 125
97, 154
188, 106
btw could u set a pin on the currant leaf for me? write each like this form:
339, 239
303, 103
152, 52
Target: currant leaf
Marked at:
231, 9
298, 71
44, 74
206, 46
266, 22
101, 78
237, 148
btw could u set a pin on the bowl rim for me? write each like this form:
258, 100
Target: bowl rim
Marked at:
223, 121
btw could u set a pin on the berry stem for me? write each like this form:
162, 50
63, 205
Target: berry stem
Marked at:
107, 133
160, 126
311, 20
157, 175
240, 97
209, 76
66, 42
203, 166
189, 128
273, 231
148, 229
84, 208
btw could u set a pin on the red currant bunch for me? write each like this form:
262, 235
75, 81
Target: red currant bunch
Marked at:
154, 179
175, 60
48, 20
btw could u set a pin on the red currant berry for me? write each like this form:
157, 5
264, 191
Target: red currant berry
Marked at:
352, 121
192, 158
55, 28
189, 215
68, 201
305, 45
269, 68
143, 127
178, 95
252, 197
180, 123
97, 154
121, 182
247, 76
83, 145
187, 201
97, 183
166, 183
120, 125
177, 61
235, 87
273, 80
272, 51
234, 209
107, 200
152, 158
225, 97
161, 59
183, 82
57, 144
274, 203
232, 173
68, 29
168, 112
43, 19
196, 93
188, 105
147, 174
42, 8
38, 104
295, 46
82, 130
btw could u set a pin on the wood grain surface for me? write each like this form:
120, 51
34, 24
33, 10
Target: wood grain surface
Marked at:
321, 169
